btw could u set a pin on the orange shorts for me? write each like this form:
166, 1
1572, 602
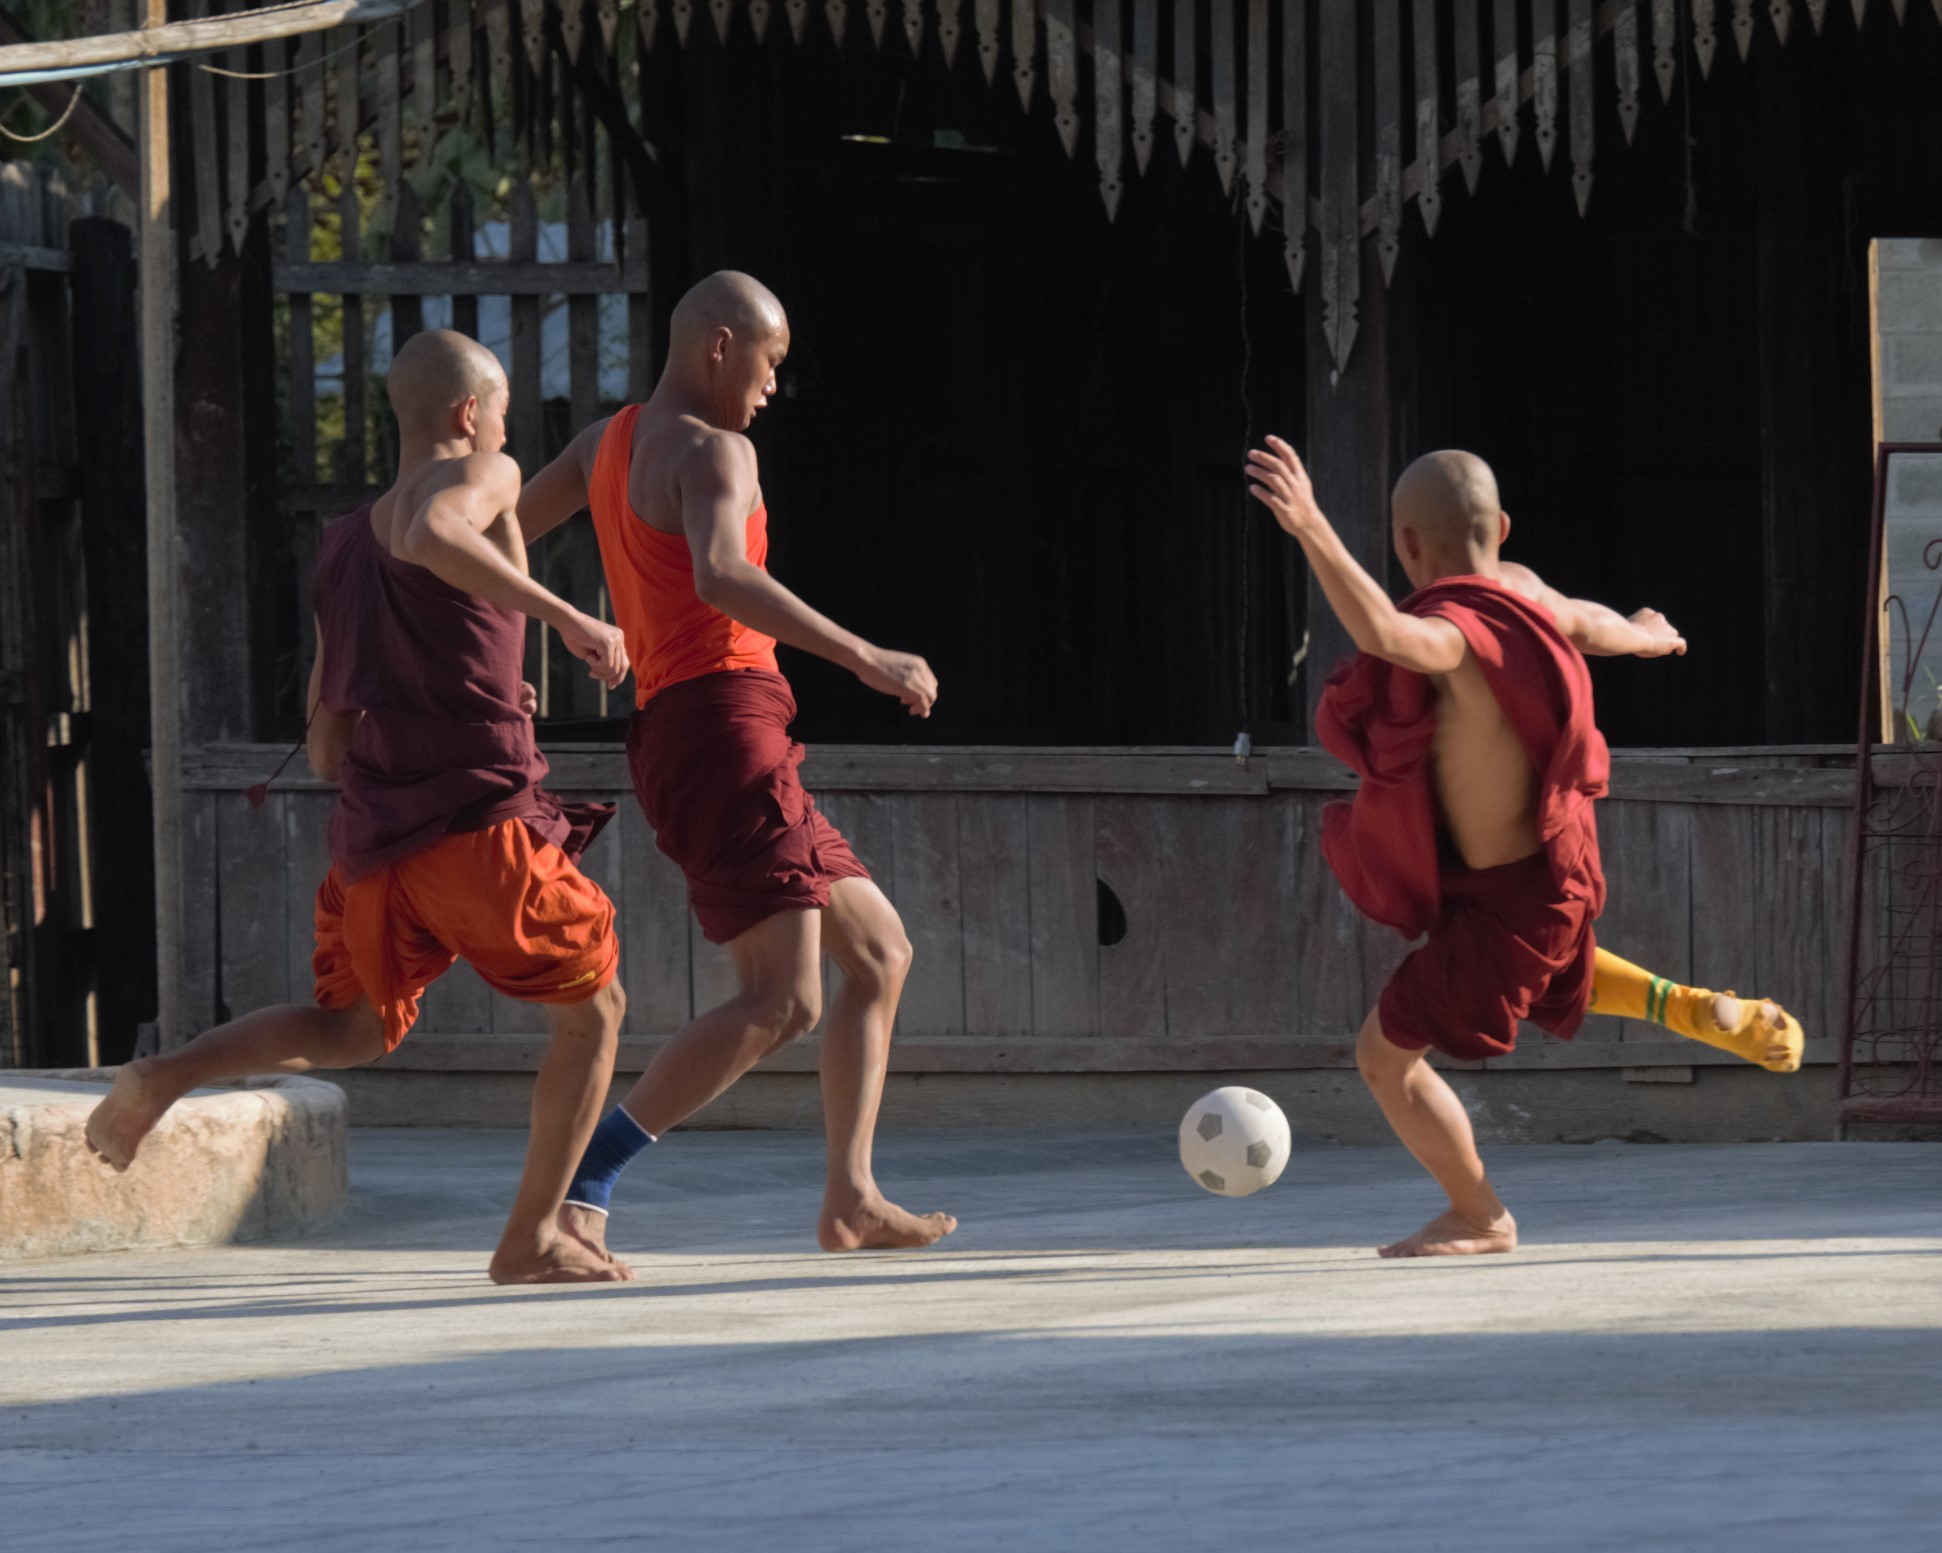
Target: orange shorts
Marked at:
514, 908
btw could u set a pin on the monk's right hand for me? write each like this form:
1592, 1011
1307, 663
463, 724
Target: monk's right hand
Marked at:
1662, 639
599, 646
903, 675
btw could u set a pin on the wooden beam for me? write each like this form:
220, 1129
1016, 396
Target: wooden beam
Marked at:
161, 41
442, 278
90, 129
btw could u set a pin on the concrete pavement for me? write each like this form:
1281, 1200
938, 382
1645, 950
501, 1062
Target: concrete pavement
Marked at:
1700, 1348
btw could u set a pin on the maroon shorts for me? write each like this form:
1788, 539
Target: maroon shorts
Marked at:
1511, 944
715, 771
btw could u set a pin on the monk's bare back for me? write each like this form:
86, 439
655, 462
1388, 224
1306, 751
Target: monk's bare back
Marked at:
1486, 787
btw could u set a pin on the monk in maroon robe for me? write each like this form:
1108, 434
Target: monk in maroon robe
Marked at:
1468, 716
443, 843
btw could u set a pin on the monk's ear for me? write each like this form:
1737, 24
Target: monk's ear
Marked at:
1503, 529
719, 339
468, 415
1412, 547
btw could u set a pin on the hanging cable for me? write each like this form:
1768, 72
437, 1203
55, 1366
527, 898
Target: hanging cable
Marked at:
53, 129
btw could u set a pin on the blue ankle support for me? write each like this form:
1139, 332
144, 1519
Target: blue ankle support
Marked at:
615, 1141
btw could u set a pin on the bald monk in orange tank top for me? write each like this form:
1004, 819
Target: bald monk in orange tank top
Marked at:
683, 528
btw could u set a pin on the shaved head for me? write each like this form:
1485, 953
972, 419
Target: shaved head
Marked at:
435, 372
1450, 501
730, 300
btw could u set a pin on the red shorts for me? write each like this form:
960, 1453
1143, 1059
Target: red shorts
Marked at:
512, 906
715, 771
1511, 945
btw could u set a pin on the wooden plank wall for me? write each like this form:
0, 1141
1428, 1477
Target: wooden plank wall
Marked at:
1238, 948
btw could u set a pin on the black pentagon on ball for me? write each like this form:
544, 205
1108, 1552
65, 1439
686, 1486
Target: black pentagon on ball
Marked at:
1210, 1126
1212, 1182
1258, 1154
1259, 1101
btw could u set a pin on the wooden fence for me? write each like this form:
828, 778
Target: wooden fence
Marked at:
1097, 911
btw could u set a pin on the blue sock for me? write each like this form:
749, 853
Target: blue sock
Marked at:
615, 1141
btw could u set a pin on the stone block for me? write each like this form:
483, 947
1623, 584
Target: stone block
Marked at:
242, 1161
1910, 301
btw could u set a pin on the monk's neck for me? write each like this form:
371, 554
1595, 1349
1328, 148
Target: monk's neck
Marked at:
1466, 563
414, 453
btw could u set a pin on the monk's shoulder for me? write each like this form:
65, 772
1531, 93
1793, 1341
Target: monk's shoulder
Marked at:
489, 472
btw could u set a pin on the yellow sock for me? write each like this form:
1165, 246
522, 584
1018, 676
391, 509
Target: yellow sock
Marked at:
1627, 991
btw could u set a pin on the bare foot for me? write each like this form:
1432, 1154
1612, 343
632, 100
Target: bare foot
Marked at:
134, 1104
873, 1224
560, 1260
1451, 1234
589, 1227
1766, 1036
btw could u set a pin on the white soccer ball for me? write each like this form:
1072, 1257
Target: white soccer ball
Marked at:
1234, 1141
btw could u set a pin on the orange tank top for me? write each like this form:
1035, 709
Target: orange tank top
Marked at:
671, 634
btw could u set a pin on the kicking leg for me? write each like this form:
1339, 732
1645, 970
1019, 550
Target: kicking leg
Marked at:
777, 962
1430, 1120
291, 1038
867, 941
1757, 1030
567, 1097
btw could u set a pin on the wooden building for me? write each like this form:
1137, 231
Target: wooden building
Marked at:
1052, 266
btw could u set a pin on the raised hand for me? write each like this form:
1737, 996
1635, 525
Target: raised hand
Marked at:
1278, 480
1661, 639
903, 675
528, 699
600, 647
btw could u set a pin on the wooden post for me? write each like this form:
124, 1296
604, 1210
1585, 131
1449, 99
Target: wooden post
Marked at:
158, 443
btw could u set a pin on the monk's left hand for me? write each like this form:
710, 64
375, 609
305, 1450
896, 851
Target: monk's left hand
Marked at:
528, 699
1661, 638
1278, 480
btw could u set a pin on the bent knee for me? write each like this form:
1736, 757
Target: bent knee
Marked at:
1377, 1058
363, 1037
792, 1012
880, 963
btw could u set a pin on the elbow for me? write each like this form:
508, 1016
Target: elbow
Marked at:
325, 764
711, 586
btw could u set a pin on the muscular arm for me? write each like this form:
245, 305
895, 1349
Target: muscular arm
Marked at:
1597, 630
447, 537
559, 491
717, 486
327, 734
1375, 625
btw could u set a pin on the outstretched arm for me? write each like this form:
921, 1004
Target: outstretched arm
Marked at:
559, 491
1597, 630
327, 734
717, 483
447, 537
1278, 480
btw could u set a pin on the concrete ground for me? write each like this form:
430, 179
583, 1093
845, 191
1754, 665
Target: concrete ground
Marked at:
1701, 1348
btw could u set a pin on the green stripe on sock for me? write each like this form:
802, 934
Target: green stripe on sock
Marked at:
1655, 1001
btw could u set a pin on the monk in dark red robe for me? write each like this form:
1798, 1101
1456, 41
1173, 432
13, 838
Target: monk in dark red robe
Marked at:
1468, 716
443, 843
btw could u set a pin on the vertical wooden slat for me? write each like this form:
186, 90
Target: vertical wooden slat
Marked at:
994, 888
300, 408
207, 243
424, 78
1665, 45
306, 818
837, 13
950, 29
1326, 949
1781, 13
498, 24
1062, 71
310, 106
1817, 13
1544, 77
583, 313
928, 897
986, 15
1625, 65
1108, 80
640, 318
407, 243
1705, 40
1220, 60
237, 138
1468, 42
798, 18
1429, 134
1228, 867
1294, 138
1186, 77
1578, 64
532, 32
390, 126
573, 26
1341, 204
877, 12
276, 120
1743, 25
349, 110
914, 25
1388, 70
1131, 844
524, 431
1649, 909
255, 949
465, 309
723, 12
458, 55
1504, 47
655, 926
1064, 916
1146, 78
1254, 159
350, 226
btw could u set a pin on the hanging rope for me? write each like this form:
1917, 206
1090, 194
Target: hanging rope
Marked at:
53, 129
277, 75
